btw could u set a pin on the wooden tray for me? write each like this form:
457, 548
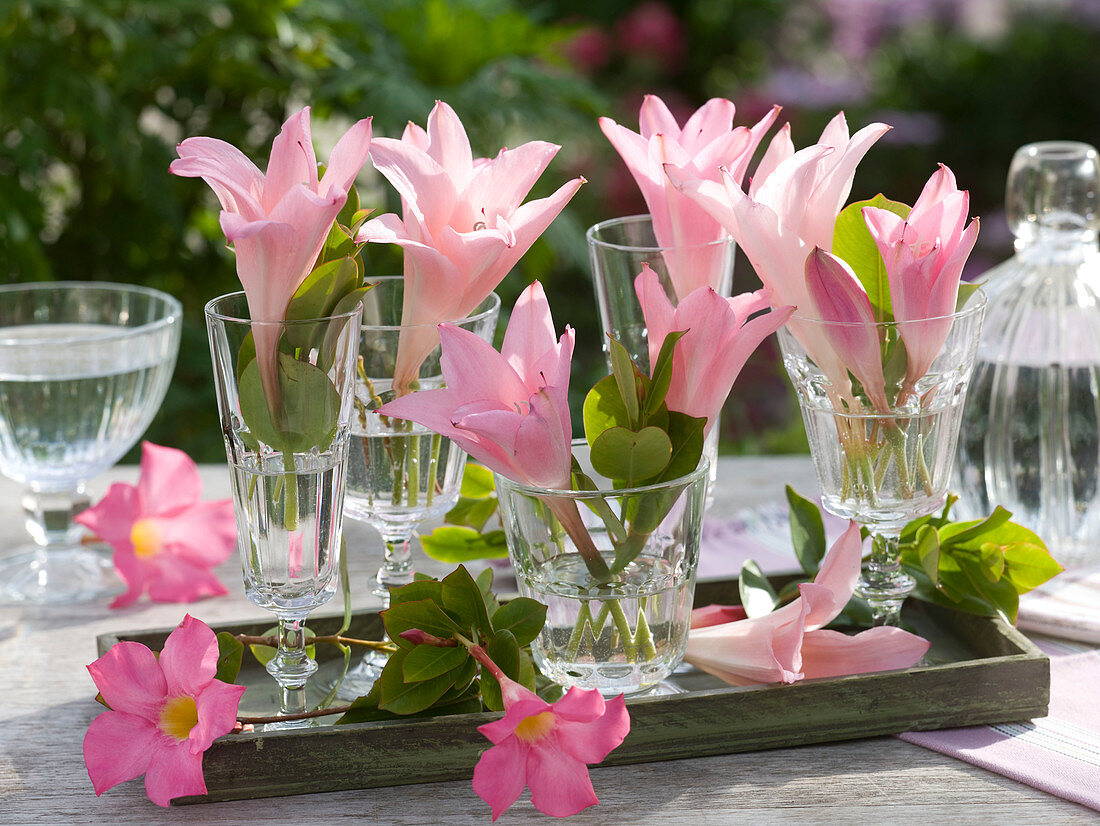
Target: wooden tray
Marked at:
983, 671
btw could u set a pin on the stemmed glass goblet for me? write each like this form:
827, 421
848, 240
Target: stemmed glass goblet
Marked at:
287, 445
884, 468
83, 369
399, 473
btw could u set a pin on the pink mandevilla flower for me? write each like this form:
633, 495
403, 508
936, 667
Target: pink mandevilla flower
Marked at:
164, 713
464, 223
547, 746
165, 539
790, 643
924, 256
707, 142
508, 410
838, 299
277, 222
790, 207
720, 338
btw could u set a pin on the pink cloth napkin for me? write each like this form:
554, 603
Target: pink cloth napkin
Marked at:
1058, 754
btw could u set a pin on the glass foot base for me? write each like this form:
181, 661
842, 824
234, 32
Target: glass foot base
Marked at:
33, 575
360, 677
886, 595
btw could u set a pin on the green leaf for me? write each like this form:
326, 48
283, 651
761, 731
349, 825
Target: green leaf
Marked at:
308, 408
321, 291
603, 409
661, 375
961, 533
629, 457
419, 589
230, 654
400, 697
928, 551
966, 289
853, 243
625, 373
504, 651
477, 482
423, 614
807, 532
472, 513
454, 544
757, 595
365, 709
462, 600
425, 662
686, 434
523, 617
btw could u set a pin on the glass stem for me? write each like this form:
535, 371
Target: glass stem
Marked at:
292, 667
883, 583
397, 567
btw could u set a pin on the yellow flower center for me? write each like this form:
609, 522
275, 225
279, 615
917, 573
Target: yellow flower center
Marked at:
145, 538
535, 727
178, 717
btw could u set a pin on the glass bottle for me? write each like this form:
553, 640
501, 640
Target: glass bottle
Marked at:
1031, 431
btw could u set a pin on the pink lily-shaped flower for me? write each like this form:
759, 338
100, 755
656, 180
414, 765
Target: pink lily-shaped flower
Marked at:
508, 410
707, 143
790, 207
924, 256
790, 643
840, 301
464, 223
546, 746
277, 222
165, 540
164, 713
720, 338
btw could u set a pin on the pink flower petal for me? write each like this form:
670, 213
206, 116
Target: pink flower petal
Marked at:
172, 579
838, 574
217, 706
169, 480
130, 680
530, 331
112, 518
560, 784
134, 574
498, 731
189, 659
292, 161
833, 654
204, 534
347, 157
591, 740
716, 615
173, 772
501, 775
118, 746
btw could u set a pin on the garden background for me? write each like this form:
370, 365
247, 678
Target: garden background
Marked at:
95, 95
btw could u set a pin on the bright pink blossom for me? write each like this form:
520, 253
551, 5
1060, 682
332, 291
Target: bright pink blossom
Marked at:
277, 222
547, 746
924, 256
509, 410
720, 338
790, 207
164, 713
790, 643
166, 541
707, 143
464, 224
841, 302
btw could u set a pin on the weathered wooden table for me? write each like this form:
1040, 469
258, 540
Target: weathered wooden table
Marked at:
47, 705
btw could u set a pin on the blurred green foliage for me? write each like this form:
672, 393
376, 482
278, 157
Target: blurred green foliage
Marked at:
94, 95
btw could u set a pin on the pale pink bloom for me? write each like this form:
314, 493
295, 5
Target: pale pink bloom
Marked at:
720, 338
840, 301
509, 410
790, 207
166, 541
277, 222
164, 713
716, 615
707, 142
924, 256
790, 643
547, 746
464, 224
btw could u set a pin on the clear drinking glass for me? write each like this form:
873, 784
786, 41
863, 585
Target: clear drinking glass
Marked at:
628, 633
399, 473
83, 369
287, 450
885, 468
617, 249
